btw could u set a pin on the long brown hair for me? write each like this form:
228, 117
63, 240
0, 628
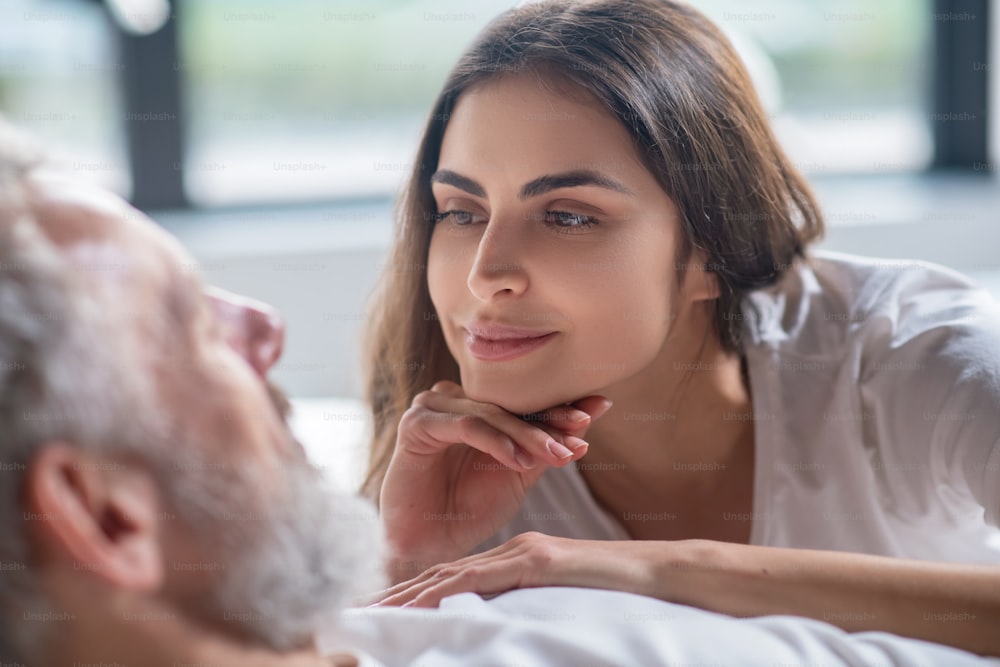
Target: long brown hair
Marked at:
677, 85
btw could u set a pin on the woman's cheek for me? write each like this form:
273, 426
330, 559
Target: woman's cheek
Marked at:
620, 344
446, 277
621, 319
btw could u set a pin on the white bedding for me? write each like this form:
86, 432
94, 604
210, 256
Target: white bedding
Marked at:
580, 627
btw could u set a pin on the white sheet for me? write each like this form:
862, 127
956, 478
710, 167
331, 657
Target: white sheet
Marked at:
580, 627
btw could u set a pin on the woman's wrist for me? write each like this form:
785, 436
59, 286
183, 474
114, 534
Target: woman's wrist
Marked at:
689, 571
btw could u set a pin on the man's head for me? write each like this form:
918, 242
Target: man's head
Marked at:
144, 457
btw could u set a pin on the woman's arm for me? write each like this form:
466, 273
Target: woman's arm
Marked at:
953, 604
956, 605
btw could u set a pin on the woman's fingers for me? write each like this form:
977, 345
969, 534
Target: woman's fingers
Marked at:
430, 432
448, 388
489, 428
487, 578
404, 591
528, 559
574, 419
595, 406
484, 574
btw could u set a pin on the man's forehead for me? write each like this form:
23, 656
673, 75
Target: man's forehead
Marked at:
98, 229
68, 210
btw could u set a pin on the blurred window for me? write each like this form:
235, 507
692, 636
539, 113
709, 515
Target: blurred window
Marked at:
316, 100
305, 99
855, 78
59, 79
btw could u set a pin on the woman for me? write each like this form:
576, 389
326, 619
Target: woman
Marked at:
602, 355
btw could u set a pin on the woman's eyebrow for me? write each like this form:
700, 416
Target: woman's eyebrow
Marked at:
539, 186
449, 177
571, 179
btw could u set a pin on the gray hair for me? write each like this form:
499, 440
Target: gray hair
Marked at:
60, 379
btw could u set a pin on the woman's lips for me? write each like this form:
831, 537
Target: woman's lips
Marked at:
502, 344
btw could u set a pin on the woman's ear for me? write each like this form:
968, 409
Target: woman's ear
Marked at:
94, 514
701, 282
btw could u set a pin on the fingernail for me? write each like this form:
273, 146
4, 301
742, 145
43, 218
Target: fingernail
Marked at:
409, 604
557, 450
523, 459
575, 443
577, 416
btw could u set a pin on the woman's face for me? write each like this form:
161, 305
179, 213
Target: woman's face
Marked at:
551, 265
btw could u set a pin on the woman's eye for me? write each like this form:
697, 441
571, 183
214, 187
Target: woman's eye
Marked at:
457, 217
565, 219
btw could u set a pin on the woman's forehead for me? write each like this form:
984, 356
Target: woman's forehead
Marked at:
517, 115
520, 127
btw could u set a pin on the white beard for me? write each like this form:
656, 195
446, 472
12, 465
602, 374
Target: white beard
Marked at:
291, 567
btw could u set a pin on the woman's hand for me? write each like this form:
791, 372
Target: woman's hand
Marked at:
461, 470
534, 559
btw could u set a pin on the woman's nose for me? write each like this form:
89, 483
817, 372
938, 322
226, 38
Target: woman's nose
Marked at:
497, 268
253, 328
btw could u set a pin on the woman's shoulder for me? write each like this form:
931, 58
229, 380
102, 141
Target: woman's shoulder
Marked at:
907, 368
831, 299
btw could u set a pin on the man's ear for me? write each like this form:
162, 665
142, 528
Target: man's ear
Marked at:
98, 514
701, 282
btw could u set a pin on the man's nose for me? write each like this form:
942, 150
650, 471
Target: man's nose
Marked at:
253, 328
